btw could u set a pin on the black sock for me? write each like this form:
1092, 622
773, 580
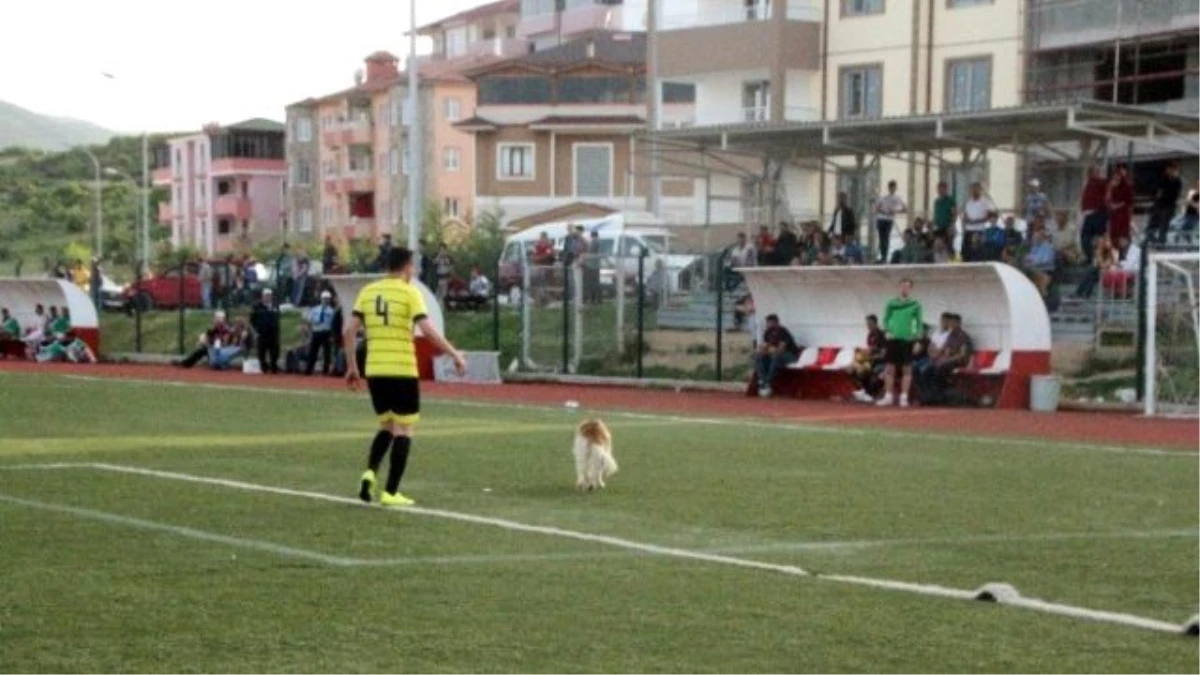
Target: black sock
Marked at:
400, 449
379, 448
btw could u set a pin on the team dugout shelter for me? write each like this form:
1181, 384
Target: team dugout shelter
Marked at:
22, 296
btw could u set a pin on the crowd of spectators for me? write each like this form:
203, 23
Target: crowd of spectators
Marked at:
50, 337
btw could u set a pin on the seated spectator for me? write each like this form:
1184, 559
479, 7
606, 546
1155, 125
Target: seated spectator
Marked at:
765, 245
66, 349
973, 250
995, 238
942, 253
914, 251
481, 288
1119, 281
743, 316
1039, 263
10, 329
223, 353
854, 252
50, 321
934, 340
1105, 259
215, 338
1012, 236
777, 351
933, 379
1066, 240
869, 363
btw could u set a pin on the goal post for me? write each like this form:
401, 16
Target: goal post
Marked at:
1171, 372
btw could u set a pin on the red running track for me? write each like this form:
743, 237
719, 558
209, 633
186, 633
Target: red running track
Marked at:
1099, 428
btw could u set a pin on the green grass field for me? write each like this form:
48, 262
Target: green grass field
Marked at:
131, 558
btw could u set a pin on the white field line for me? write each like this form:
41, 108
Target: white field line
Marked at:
923, 589
180, 531
872, 432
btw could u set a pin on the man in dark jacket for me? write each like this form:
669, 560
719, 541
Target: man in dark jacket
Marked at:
264, 318
785, 246
777, 351
843, 221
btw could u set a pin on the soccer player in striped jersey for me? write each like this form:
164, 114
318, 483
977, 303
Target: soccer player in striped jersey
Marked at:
387, 310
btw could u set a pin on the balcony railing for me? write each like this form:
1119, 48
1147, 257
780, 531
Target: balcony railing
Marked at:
1077, 22
797, 10
756, 114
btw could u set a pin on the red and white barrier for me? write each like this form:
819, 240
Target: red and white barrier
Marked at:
825, 308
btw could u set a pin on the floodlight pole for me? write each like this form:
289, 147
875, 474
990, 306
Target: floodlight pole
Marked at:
415, 163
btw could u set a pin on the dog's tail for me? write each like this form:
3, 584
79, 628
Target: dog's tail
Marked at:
607, 460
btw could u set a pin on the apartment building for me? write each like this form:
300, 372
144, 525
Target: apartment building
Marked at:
556, 128
226, 185
1120, 51
806, 60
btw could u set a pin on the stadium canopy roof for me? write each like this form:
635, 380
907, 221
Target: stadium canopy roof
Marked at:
1044, 125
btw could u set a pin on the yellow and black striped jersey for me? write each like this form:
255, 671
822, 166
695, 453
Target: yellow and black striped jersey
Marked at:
388, 309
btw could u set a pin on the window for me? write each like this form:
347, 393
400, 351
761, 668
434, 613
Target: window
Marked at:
393, 161
537, 7
451, 159
594, 89
515, 162
756, 100
301, 173
178, 196
405, 161
862, 7
203, 190
224, 226
860, 188
329, 169
397, 116
969, 84
450, 207
510, 90
305, 220
327, 213
304, 129
452, 106
862, 92
456, 42
593, 170
678, 92
955, 4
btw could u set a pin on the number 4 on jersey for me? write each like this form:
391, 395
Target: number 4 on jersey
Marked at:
381, 308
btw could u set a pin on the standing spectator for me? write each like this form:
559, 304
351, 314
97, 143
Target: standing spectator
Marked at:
591, 270
1120, 205
944, 212
1037, 204
784, 250
82, 277
1166, 201
206, 284
543, 250
978, 210
299, 279
995, 238
1191, 213
843, 223
887, 208
283, 270
264, 319
765, 244
903, 324
777, 351
741, 254
444, 267
1093, 209
329, 255
320, 320
868, 362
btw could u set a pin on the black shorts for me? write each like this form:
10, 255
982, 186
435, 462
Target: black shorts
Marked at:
899, 353
396, 399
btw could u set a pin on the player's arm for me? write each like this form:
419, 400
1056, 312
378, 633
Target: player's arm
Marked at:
350, 346
443, 345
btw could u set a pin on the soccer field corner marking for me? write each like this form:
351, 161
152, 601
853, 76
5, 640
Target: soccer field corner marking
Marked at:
830, 428
934, 590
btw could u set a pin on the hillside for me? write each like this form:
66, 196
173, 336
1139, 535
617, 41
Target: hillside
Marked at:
25, 128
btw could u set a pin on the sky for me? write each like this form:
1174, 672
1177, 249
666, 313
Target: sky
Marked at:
178, 65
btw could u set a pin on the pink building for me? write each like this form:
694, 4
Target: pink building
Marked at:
226, 185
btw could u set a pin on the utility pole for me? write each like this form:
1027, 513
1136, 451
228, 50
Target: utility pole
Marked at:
655, 100
145, 198
414, 145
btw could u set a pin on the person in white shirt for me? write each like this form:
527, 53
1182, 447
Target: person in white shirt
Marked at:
886, 209
977, 209
741, 254
480, 286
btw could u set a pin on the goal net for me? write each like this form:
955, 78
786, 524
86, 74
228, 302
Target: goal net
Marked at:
1172, 377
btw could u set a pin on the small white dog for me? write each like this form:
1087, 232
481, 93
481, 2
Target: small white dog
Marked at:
594, 459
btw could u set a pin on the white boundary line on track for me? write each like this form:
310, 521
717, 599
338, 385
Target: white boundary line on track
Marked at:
652, 549
683, 419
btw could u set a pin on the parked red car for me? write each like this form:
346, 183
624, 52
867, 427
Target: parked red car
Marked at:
164, 292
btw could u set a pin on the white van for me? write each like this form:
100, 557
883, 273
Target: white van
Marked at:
619, 244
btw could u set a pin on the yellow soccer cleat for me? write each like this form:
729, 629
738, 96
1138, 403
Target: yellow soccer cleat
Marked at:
367, 486
394, 500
